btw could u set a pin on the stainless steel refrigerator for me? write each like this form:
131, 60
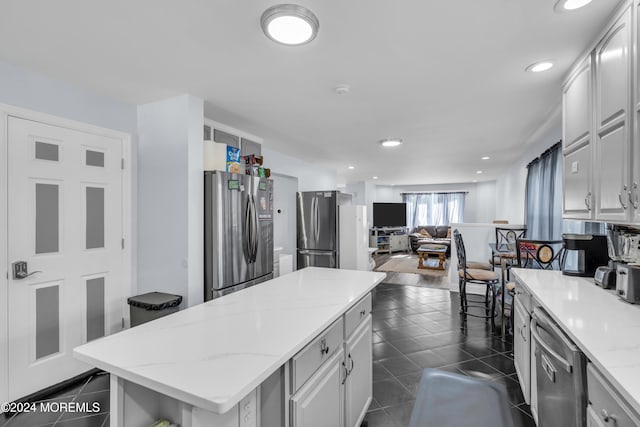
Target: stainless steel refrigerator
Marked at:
318, 225
238, 231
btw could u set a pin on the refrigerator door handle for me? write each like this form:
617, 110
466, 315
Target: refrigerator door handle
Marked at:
254, 231
316, 228
246, 242
312, 252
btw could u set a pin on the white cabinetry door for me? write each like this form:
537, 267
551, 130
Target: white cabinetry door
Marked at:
592, 418
358, 384
577, 104
634, 196
613, 83
320, 402
522, 348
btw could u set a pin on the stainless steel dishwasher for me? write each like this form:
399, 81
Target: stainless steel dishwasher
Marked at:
560, 375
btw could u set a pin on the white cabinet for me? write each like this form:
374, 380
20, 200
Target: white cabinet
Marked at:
577, 102
354, 243
358, 366
597, 130
635, 170
613, 150
320, 401
592, 418
522, 347
389, 239
606, 406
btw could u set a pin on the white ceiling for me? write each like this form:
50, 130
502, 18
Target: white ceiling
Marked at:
446, 76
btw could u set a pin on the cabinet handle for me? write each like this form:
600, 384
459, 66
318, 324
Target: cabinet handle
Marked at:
587, 200
352, 365
633, 202
324, 348
606, 417
522, 333
363, 312
346, 372
624, 189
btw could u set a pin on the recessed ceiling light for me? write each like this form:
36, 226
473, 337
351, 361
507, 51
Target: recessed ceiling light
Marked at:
289, 24
391, 142
478, 172
486, 158
475, 180
563, 5
539, 66
351, 167
375, 177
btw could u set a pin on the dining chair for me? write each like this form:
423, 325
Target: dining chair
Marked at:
534, 254
466, 275
506, 239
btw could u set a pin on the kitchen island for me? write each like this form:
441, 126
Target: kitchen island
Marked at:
605, 328
248, 356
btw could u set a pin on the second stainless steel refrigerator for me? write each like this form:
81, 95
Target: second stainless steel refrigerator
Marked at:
238, 232
318, 227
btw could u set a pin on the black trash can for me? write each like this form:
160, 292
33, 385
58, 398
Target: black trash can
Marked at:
146, 307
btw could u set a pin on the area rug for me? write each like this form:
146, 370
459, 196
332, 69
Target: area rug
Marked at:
409, 264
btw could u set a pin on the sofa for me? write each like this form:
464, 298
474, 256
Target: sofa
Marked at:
430, 234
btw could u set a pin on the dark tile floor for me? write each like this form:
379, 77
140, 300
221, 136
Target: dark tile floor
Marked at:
94, 391
419, 327
415, 326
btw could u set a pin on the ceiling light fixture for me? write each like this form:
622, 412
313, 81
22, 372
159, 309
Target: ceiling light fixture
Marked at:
375, 177
342, 89
539, 66
485, 158
289, 24
391, 142
478, 172
564, 5
351, 167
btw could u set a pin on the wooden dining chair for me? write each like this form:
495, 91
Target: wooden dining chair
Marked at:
487, 278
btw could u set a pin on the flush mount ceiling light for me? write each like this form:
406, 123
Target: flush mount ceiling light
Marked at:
564, 5
351, 167
375, 177
539, 66
478, 172
391, 142
289, 24
485, 158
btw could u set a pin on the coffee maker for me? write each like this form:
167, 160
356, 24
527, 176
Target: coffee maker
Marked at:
591, 252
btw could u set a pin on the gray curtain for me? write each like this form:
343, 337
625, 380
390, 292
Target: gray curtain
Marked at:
544, 195
434, 208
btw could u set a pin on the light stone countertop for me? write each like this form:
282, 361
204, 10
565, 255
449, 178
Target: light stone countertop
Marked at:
213, 354
604, 327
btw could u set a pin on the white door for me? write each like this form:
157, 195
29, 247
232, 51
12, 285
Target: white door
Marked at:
284, 214
358, 387
320, 402
65, 221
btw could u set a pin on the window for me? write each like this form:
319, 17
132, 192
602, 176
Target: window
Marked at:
434, 208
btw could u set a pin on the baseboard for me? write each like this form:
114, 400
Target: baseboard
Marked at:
51, 390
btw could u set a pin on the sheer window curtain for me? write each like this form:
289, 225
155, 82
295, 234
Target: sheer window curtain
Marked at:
434, 208
544, 195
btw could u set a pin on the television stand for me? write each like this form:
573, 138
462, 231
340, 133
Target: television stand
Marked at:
389, 239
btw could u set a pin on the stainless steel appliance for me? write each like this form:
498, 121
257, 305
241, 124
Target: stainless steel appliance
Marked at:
628, 282
318, 225
238, 232
591, 250
605, 277
560, 374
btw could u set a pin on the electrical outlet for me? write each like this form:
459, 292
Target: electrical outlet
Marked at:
248, 411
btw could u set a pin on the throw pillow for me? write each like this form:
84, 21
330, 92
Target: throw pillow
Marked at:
449, 233
425, 233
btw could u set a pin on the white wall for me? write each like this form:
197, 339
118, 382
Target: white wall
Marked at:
171, 205
510, 187
310, 176
480, 201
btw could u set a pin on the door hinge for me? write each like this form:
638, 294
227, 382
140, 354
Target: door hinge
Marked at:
122, 163
122, 243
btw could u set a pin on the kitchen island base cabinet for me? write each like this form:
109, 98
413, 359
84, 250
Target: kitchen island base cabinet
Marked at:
522, 347
319, 402
358, 383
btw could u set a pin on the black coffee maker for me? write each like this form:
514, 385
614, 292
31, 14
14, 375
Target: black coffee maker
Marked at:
591, 252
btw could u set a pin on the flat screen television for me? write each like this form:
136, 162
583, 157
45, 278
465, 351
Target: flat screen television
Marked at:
389, 214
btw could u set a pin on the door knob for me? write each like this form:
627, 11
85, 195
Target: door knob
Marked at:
20, 270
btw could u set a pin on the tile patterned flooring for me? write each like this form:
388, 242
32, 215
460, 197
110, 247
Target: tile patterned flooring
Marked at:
92, 390
415, 326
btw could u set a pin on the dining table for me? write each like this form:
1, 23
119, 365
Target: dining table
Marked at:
507, 256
